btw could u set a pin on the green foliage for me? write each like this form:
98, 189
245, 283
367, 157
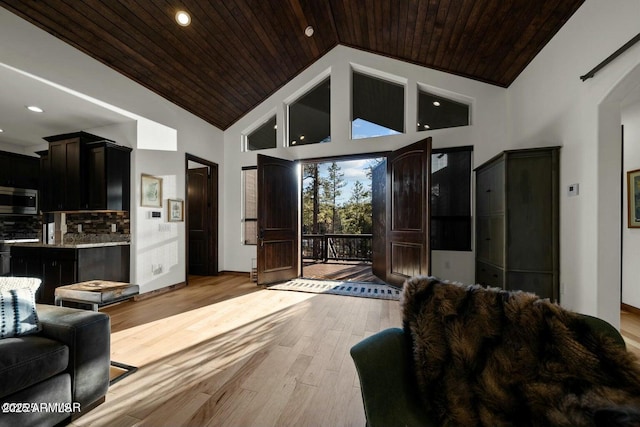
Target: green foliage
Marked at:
356, 213
322, 214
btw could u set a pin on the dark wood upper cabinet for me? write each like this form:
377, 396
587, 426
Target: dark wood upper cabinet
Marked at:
109, 181
19, 171
64, 175
81, 171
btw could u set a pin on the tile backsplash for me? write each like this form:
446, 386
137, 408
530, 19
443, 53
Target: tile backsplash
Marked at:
97, 226
19, 226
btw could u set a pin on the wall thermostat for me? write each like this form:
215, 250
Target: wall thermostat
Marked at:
573, 190
156, 214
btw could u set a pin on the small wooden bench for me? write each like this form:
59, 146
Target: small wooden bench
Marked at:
96, 293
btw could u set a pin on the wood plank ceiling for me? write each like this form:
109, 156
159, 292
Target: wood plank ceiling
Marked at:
236, 53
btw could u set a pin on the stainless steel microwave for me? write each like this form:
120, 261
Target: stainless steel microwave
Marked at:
18, 201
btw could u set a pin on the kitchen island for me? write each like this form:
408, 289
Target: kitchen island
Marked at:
64, 264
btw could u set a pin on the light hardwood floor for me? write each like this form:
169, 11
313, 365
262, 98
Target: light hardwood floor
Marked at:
224, 352
630, 330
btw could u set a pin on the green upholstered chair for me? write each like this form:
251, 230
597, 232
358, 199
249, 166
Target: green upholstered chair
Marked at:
389, 389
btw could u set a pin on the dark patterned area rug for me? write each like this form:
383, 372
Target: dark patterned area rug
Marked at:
352, 289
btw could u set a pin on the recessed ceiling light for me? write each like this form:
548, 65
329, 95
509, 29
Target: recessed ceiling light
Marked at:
1, 130
294, 142
183, 18
301, 137
427, 127
35, 109
436, 103
308, 31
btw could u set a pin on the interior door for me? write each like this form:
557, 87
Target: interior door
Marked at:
277, 220
198, 220
408, 212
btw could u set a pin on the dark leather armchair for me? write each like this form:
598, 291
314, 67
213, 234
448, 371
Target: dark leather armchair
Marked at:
389, 389
66, 364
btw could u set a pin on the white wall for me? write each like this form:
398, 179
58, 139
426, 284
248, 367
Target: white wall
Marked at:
30, 49
549, 104
487, 134
630, 236
12, 148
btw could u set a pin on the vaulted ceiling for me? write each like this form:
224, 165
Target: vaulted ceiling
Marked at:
236, 53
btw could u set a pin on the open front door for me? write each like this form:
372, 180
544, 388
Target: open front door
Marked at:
407, 213
277, 220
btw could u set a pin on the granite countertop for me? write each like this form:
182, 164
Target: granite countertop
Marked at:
72, 245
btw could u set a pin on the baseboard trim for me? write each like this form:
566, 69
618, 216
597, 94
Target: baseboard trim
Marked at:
236, 273
630, 308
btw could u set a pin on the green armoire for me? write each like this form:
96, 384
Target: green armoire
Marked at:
517, 221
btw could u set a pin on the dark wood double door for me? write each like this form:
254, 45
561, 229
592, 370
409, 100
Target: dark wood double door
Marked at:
400, 200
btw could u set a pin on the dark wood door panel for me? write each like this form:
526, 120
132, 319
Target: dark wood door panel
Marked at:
408, 213
539, 283
198, 220
531, 212
277, 180
277, 220
407, 182
403, 260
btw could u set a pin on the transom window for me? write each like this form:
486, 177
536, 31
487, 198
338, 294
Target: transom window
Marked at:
310, 116
436, 112
263, 137
377, 107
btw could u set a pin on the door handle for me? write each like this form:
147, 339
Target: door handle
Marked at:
261, 236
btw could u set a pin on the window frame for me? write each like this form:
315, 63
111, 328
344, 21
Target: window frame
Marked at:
320, 80
244, 219
446, 95
468, 243
386, 78
257, 126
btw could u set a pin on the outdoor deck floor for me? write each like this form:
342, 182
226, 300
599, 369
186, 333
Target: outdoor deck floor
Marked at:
353, 271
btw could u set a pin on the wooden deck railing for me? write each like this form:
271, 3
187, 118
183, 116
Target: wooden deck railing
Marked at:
343, 247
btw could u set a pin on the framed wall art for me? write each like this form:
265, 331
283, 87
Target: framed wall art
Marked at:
151, 191
176, 210
633, 200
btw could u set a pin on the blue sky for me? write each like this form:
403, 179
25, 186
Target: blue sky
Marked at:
354, 170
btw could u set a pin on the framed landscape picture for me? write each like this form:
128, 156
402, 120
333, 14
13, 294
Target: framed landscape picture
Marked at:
633, 184
176, 210
151, 191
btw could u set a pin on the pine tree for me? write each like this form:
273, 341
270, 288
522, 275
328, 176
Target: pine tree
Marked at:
357, 211
332, 190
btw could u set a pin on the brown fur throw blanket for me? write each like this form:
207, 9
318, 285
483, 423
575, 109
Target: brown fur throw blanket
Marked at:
488, 357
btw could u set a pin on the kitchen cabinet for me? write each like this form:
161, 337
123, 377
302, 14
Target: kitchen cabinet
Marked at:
19, 171
517, 222
85, 172
64, 175
58, 266
45, 195
109, 180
